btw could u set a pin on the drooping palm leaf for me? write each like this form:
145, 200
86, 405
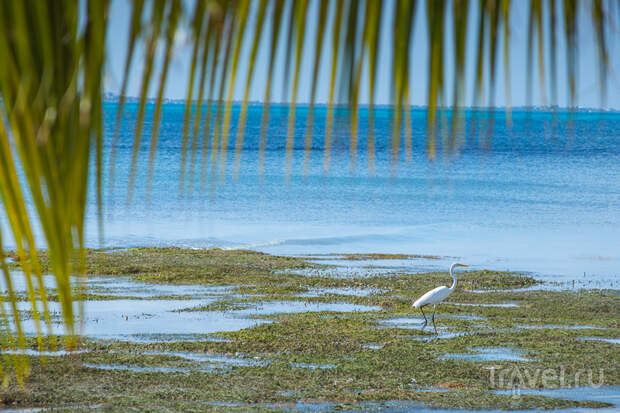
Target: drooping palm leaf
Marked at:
329, 123
258, 30
51, 83
198, 24
318, 44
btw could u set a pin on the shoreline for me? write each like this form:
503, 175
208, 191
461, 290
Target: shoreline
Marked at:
252, 331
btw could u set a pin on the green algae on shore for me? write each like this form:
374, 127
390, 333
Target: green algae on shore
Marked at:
371, 359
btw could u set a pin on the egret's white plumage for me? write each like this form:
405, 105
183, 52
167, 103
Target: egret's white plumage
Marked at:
437, 295
434, 296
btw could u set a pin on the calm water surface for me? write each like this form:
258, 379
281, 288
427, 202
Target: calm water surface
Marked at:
541, 196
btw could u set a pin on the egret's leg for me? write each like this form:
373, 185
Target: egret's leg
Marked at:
425, 320
433, 318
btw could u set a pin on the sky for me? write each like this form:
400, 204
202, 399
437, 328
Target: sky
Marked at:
588, 91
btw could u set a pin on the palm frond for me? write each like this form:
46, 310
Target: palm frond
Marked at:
51, 82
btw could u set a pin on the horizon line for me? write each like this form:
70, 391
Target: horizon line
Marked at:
110, 97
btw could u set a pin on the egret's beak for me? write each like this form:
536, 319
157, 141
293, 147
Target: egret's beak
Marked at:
462, 265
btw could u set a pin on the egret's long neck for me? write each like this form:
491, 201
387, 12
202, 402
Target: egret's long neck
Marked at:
453, 278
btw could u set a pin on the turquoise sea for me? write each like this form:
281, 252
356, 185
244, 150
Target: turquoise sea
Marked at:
540, 195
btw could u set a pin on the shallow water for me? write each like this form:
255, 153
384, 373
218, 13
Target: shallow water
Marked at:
603, 339
561, 327
124, 286
209, 358
489, 354
392, 406
606, 394
121, 286
441, 334
413, 323
284, 307
345, 271
341, 268
417, 322
31, 352
313, 366
547, 286
205, 363
356, 292
431, 390
500, 305
170, 338
166, 320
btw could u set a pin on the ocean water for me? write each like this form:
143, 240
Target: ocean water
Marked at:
540, 195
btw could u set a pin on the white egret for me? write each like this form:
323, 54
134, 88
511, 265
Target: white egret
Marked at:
436, 296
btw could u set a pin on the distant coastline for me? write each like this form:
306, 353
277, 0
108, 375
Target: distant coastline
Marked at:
114, 98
